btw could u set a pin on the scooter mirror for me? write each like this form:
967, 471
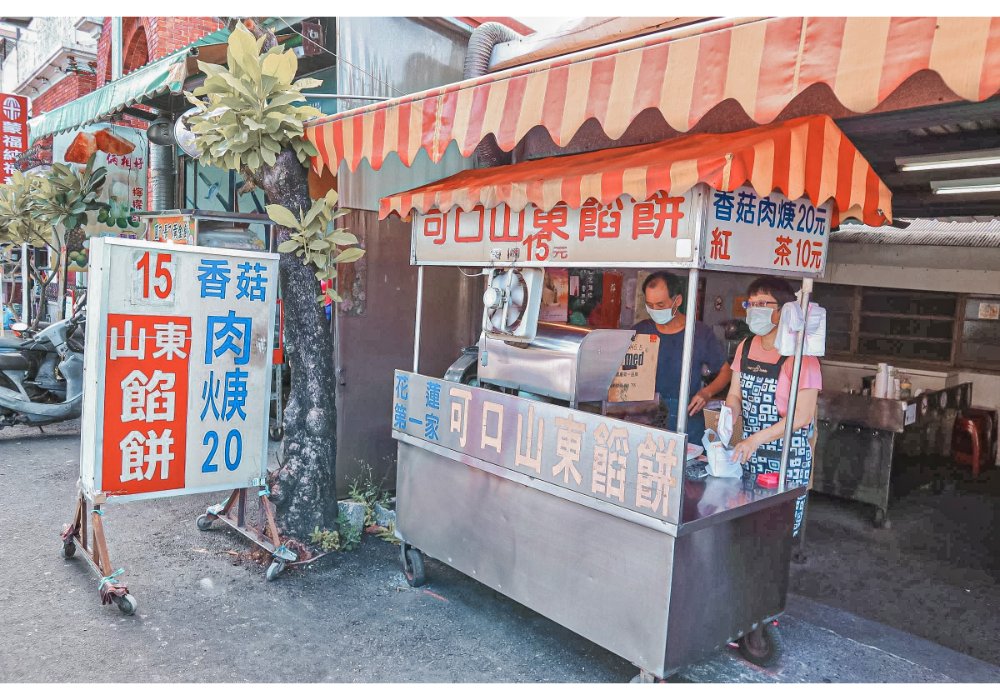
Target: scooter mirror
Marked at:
19, 327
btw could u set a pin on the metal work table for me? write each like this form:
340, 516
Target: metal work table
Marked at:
869, 447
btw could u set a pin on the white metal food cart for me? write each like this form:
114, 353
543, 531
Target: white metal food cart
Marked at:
507, 469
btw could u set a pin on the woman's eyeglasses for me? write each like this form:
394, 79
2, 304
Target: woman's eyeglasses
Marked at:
759, 304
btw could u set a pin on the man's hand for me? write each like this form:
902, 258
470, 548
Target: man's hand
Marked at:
745, 449
698, 402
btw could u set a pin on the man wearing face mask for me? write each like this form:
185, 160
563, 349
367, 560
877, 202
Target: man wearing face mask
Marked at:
763, 381
664, 293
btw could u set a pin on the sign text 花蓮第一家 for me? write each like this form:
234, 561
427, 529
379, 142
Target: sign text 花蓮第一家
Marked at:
626, 464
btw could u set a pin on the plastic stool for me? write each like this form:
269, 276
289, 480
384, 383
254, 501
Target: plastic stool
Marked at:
967, 442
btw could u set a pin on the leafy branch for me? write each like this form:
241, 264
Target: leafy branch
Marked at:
315, 239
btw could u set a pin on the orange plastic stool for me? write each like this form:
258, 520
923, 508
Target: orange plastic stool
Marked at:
968, 442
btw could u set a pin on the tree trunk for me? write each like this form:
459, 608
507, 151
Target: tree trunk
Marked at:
304, 489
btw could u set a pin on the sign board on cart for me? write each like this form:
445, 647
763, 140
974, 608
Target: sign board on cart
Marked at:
746, 232
622, 234
626, 464
178, 360
737, 231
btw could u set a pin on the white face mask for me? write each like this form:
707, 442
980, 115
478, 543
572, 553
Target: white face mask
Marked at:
759, 320
660, 316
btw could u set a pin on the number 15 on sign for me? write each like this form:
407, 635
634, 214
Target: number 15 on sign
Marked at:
153, 278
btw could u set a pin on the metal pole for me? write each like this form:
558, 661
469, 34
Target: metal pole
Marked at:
117, 58
416, 327
25, 309
690, 307
793, 391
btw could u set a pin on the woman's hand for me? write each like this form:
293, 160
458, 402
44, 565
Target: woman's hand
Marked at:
698, 401
745, 450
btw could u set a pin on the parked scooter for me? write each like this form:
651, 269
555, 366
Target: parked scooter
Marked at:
41, 373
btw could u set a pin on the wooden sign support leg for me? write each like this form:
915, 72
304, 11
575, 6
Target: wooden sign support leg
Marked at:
264, 535
95, 546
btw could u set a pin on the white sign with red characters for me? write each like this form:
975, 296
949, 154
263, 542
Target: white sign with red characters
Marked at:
625, 232
177, 369
13, 133
746, 231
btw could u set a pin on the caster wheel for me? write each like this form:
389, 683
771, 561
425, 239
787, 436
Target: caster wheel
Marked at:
68, 549
276, 432
937, 487
413, 567
646, 677
275, 569
204, 522
880, 520
127, 604
763, 647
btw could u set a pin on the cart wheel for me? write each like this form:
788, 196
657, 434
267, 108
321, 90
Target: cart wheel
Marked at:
275, 569
276, 432
68, 549
646, 677
880, 520
204, 522
763, 647
413, 567
937, 487
126, 603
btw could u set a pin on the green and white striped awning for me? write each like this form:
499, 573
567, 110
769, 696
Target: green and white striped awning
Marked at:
165, 75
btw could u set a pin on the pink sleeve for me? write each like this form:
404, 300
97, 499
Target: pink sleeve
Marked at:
810, 377
739, 356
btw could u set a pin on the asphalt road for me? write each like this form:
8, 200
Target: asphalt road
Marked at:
206, 613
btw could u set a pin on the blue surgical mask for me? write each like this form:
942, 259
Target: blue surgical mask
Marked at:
660, 316
759, 320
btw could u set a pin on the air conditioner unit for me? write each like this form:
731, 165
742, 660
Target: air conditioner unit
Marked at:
511, 303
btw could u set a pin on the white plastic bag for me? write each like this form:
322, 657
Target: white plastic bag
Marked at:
790, 325
720, 457
725, 426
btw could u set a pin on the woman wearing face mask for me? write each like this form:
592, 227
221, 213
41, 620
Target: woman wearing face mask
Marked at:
762, 383
664, 296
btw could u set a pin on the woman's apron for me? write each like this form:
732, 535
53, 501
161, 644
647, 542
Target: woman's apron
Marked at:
758, 392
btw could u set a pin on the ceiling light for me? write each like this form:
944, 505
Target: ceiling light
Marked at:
970, 186
941, 161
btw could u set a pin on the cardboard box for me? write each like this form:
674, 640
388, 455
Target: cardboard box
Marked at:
636, 378
712, 423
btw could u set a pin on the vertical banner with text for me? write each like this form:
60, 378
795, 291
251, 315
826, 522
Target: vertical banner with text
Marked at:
13, 133
178, 369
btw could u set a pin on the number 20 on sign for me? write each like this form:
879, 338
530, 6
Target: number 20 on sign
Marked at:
182, 385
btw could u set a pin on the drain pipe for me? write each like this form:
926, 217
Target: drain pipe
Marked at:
162, 171
477, 63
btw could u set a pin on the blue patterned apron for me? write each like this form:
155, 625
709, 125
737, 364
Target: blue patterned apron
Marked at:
758, 391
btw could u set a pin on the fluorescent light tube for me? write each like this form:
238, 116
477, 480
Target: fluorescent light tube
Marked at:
970, 186
942, 161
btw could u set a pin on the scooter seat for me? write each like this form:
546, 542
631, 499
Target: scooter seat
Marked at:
10, 342
13, 361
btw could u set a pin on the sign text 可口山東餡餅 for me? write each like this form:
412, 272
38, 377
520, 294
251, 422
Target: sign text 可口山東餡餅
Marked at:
626, 464
772, 233
179, 363
13, 133
625, 232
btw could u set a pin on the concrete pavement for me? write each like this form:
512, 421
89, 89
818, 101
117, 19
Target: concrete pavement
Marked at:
206, 613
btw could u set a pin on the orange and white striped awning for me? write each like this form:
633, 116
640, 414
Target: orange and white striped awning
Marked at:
805, 157
762, 64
